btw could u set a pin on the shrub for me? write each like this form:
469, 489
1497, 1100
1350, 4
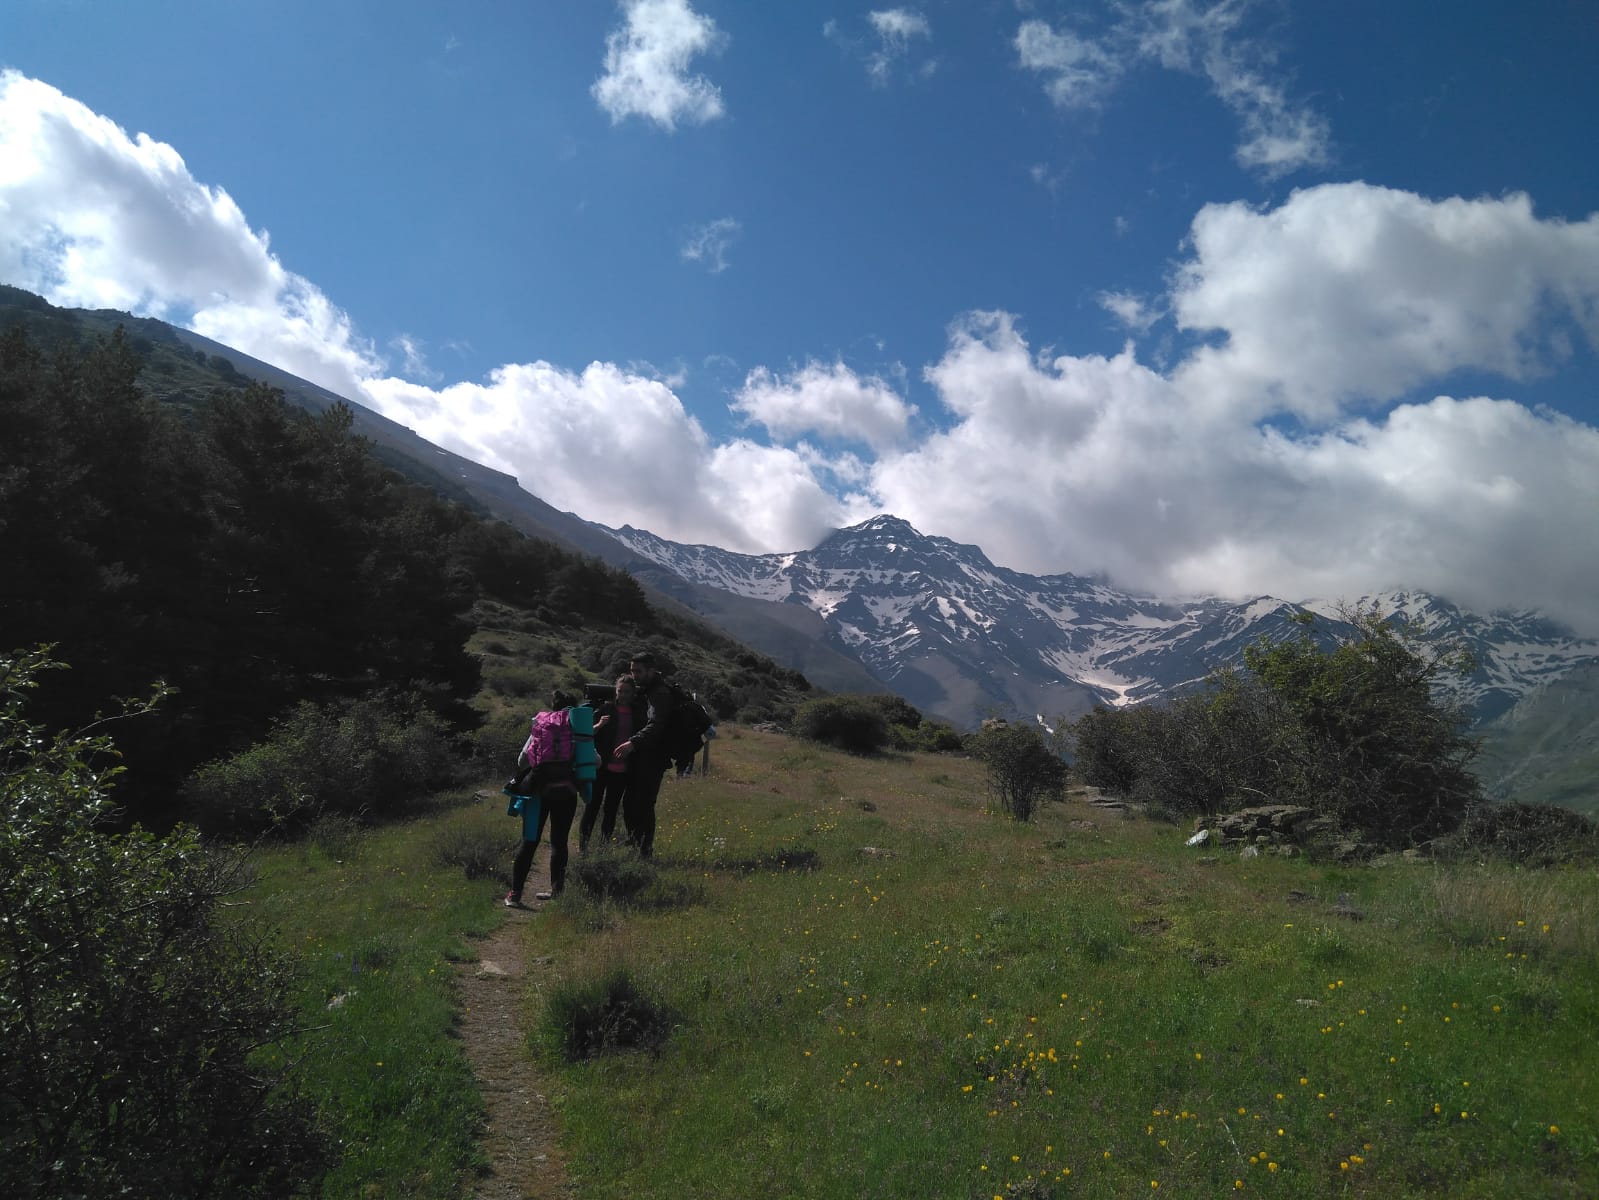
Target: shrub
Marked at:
1023, 770
1107, 749
336, 834
622, 877
1382, 753
1533, 834
930, 736
606, 876
847, 722
1353, 729
896, 710
477, 851
605, 1016
130, 1015
370, 757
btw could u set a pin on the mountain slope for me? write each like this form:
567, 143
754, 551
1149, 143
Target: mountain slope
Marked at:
939, 623
181, 366
1545, 749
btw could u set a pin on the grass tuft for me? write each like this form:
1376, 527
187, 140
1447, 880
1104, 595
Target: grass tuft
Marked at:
602, 1016
481, 853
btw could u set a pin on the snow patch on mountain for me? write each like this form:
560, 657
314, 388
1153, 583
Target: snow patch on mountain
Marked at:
890, 595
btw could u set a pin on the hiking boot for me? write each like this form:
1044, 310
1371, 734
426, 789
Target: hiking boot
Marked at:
513, 899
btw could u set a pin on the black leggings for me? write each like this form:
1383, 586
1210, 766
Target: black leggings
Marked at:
609, 789
558, 806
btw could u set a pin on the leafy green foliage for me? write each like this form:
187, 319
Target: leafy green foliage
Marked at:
163, 517
909, 729
247, 553
131, 1017
1023, 769
1390, 757
251, 554
1355, 730
847, 722
1109, 746
372, 757
1211, 752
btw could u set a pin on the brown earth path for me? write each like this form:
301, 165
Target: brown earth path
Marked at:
521, 1136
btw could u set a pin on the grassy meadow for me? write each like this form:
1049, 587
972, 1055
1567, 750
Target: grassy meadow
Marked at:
878, 988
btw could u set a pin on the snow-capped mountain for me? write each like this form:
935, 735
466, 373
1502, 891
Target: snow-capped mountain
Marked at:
938, 623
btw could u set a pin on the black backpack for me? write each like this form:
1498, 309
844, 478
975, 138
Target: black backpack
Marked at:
690, 722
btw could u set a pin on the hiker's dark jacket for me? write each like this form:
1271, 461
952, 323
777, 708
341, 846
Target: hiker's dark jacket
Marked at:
660, 733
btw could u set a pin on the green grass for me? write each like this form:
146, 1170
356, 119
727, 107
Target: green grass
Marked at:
376, 929
950, 1004
1054, 1010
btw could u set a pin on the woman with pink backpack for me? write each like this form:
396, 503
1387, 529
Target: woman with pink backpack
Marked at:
544, 789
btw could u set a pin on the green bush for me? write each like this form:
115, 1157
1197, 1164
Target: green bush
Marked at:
131, 1015
1382, 753
367, 758
850, 723
896, 710
1354, 729
932, 736
1023, 770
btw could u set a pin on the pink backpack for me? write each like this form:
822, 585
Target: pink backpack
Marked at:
547, 753
549, 741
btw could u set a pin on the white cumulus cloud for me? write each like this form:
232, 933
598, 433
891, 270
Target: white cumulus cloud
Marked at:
1350, 293
829, 400
1306, 441
91, 217
895, 27
1132, 311
616, 447
647, 65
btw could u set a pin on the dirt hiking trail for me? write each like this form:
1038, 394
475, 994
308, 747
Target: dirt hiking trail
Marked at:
521, 1136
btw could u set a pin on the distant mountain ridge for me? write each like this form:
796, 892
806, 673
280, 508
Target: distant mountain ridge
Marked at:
879, 606
940, 624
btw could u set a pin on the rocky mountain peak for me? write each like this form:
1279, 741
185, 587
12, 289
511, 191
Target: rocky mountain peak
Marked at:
940, 624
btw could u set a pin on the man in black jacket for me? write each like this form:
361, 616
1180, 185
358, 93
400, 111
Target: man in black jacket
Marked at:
649, 750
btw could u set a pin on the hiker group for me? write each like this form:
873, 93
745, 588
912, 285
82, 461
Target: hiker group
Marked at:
611, 759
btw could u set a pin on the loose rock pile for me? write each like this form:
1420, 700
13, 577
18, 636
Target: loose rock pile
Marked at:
1282, 829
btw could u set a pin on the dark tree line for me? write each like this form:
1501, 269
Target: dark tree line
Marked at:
245, 552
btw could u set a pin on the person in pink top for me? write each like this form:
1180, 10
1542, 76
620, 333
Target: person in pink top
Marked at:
614, 724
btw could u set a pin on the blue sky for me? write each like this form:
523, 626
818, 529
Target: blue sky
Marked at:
1230, 297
